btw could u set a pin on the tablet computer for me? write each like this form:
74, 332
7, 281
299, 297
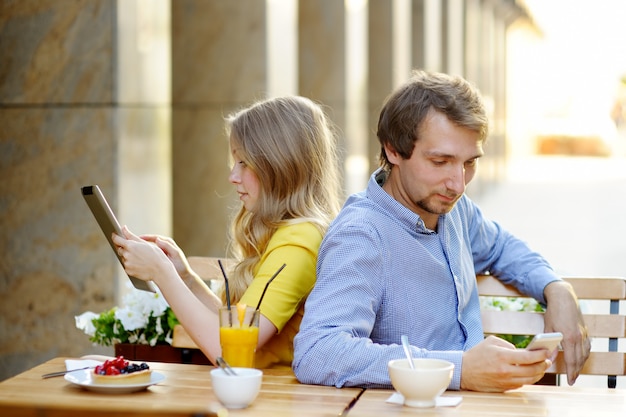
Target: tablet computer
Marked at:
109, 224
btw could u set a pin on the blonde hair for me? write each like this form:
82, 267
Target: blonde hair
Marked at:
290, 144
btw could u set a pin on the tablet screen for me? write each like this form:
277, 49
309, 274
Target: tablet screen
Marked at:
109, 224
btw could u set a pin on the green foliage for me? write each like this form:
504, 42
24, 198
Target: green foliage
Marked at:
110, 330
518, 340
513, 304
106, 331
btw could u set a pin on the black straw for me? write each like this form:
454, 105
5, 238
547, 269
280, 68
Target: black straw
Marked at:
265, 289
219, 261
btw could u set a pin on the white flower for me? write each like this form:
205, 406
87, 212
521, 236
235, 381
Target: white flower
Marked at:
131, 319
142, 318
137, 308
145, 303
168, 337
83, 322
159, 327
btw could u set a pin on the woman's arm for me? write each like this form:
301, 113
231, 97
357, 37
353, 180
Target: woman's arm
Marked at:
191, 279
147, 261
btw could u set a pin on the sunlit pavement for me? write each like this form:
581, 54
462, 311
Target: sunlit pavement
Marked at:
570, 209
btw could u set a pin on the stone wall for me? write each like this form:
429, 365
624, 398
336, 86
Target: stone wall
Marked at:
74, 112
57, 133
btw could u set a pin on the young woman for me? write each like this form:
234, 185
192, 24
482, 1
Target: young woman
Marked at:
285, 170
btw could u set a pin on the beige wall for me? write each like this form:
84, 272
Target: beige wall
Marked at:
85, 98
57, 133
218, 65
77, 108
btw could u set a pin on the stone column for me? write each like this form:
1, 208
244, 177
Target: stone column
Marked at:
322, 58
454, 48
472, 40
380, 80
218, 65
143, 125
389, 60
57, 133
432, 30
65, 123
418, 39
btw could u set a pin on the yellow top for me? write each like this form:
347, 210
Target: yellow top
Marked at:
283, 303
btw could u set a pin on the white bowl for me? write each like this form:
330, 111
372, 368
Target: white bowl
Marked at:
420, 386
236, 391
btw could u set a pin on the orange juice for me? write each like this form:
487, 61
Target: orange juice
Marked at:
239, 334
239, 345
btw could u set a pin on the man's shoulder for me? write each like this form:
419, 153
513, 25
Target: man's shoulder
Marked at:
360, 218
358, 209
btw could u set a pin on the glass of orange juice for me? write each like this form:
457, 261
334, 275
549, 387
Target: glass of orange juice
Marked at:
239, 334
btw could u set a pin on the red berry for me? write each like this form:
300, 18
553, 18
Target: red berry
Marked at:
112, 371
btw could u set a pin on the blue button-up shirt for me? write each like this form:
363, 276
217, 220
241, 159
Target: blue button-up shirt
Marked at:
381, 274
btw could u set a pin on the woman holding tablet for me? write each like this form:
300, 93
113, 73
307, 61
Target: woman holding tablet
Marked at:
285, 170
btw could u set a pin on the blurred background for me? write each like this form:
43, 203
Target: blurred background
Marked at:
131, 95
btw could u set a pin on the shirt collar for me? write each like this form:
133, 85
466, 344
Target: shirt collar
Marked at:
376, 193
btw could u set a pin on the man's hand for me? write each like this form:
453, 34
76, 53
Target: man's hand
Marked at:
563, 315
495, 365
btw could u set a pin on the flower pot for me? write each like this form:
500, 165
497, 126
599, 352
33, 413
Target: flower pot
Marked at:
161, 353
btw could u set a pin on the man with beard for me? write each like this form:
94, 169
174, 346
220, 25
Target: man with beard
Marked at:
402, 256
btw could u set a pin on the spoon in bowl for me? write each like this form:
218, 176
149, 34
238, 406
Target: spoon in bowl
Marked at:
225, 366
407, 350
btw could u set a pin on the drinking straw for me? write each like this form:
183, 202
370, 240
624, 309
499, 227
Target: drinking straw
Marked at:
230, 320
265, 289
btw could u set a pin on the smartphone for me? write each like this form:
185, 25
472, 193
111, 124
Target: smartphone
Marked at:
549, 341
108, 224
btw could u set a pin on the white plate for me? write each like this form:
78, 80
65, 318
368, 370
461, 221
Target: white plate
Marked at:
83, 379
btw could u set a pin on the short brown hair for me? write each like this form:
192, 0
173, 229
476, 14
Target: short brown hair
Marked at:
406, 108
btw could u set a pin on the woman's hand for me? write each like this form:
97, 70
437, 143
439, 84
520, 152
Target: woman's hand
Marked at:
173, 252
142, 259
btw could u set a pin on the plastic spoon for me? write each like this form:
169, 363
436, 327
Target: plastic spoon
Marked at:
407, 350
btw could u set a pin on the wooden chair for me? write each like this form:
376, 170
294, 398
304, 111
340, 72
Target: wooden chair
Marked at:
208, 269
611, 326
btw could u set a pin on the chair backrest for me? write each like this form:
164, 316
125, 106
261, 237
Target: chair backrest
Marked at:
611, 326
208, 268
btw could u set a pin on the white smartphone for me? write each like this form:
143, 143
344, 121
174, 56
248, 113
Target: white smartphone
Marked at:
549, 341
109, 224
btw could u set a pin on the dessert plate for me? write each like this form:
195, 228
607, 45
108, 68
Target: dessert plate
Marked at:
83, 379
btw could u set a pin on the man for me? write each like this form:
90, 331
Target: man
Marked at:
402, 256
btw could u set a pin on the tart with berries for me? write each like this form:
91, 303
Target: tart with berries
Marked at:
121, 372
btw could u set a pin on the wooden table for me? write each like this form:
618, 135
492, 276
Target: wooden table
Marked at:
186, 391
528, 401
